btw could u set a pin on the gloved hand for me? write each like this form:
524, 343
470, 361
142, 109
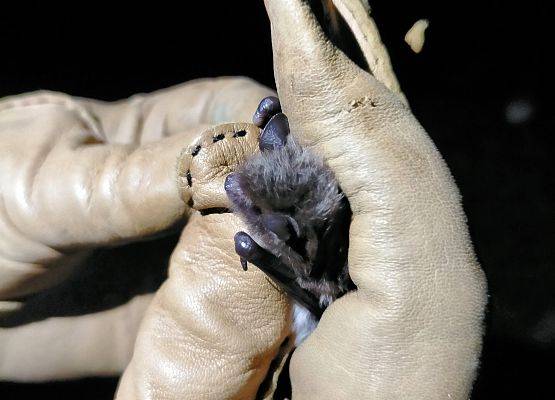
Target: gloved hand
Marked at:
77, 174
213, 331
411, 330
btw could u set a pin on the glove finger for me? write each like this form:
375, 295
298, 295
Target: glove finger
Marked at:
97, 344
225, 329
64, 188
63, 191
203, 102
419, 305
213, 331
203, 166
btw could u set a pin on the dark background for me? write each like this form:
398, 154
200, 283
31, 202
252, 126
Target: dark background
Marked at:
480, 61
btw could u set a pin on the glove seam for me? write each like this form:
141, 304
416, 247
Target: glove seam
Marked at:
47, 98
185, 159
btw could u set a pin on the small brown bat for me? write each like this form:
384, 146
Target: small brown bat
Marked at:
298, 217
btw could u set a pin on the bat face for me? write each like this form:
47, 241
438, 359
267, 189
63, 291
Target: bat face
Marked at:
296, 213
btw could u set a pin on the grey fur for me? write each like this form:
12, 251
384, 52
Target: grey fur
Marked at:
294, 182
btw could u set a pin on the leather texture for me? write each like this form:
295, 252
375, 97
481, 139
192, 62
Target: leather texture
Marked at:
213, 330
72, 347
79, 173
203, 167
413, 328
76, 174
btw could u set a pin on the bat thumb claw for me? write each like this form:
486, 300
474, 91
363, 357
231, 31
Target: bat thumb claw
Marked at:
243, 264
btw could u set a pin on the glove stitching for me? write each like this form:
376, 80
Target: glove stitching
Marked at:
215, 139
187, 155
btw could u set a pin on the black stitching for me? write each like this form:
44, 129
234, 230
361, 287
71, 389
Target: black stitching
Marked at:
217, 138
195, 150
189, 178
240, 133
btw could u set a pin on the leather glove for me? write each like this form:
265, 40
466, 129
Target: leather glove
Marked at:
412, 329
77, 174
213, 331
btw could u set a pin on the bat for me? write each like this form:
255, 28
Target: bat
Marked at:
297, 216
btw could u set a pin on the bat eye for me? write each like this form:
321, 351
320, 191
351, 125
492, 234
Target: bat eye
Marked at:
280, 225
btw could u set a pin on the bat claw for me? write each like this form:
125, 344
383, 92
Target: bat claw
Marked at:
243, 264
275, 133
268, 107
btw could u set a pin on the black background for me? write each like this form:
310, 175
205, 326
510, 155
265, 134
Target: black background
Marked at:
478, 58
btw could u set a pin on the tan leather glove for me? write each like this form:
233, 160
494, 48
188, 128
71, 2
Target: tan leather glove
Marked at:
411, 330
76, 174
213, 331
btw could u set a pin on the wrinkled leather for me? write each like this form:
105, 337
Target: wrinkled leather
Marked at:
413, 328
72, 347
213, 330
76, 174
212, 162
80, 173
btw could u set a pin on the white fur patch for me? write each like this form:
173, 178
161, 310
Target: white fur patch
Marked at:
303, 323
